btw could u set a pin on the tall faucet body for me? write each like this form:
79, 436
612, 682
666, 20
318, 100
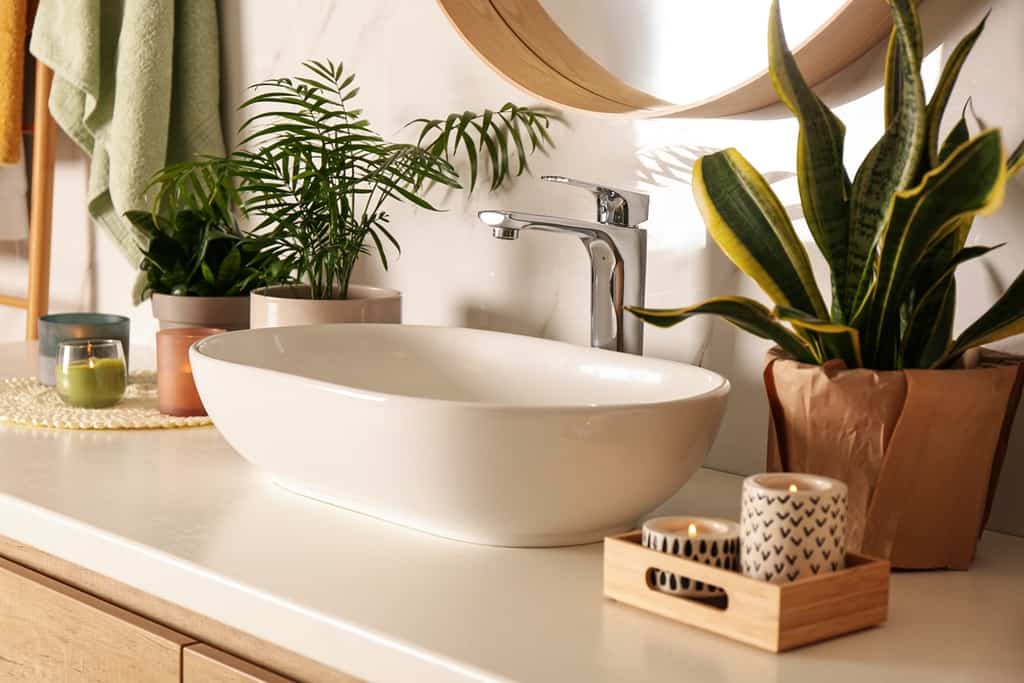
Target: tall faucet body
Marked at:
617, 273
618, 263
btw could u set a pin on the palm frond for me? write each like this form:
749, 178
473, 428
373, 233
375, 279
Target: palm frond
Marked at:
503, 139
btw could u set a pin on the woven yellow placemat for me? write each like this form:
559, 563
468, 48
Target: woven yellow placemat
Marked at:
24, 401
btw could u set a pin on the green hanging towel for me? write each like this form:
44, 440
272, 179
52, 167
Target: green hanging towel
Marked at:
137, 85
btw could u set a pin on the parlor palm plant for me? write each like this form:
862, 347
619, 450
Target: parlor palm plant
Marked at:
320, 181
319, 178
893, 237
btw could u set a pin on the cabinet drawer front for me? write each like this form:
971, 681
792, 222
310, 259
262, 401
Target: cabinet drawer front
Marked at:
204, 664
51, 632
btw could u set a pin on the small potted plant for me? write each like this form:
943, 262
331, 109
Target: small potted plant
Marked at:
319, 180
198, 267
875, 389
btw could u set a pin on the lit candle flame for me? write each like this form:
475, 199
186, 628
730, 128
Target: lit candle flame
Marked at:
691, 530
792, 488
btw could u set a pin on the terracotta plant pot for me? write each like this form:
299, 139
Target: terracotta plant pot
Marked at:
920, 450
223, 312
287, 305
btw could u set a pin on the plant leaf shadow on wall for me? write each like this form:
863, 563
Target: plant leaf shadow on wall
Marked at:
667, 165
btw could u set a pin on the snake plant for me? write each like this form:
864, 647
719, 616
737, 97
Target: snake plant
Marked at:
892, 236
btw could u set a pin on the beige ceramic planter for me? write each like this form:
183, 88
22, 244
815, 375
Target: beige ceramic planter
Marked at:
287, 305
223, 312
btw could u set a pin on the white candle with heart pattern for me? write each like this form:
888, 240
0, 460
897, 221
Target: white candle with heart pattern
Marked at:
792, 526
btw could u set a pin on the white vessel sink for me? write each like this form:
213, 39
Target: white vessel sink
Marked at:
478, 436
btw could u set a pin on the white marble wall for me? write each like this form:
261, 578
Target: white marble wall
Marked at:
411, 63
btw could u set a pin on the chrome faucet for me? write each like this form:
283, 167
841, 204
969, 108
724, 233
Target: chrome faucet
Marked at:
618, 257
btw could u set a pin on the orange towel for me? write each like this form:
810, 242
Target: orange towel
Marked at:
12, 64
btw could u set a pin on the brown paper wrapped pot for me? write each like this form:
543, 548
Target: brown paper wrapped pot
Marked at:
921, 450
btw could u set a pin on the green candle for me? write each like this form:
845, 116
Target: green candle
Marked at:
92, 382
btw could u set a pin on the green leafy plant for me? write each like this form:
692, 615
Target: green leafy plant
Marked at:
506, 138
893, 237
193, 243
319, 179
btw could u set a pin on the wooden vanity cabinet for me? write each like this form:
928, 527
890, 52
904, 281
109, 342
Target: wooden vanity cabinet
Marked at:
68, 629
51, 632
204, 664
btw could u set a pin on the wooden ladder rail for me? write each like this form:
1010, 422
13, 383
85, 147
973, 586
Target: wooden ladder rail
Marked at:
44, 145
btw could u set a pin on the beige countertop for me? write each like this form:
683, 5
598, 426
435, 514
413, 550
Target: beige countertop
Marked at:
179, 515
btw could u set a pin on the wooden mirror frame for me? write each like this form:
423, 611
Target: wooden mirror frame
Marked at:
521, 41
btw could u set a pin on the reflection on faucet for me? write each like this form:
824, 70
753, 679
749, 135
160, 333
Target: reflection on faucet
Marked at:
618, 258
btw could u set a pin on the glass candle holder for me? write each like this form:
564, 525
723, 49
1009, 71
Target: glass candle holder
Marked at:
59, 327
175, 388
91, 373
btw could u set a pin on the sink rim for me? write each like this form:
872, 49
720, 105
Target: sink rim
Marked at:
722, 387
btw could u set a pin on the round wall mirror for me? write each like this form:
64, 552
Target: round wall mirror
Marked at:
661, 57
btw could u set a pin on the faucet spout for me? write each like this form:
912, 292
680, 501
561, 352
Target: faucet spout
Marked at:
503, 225
618, 262
505, 233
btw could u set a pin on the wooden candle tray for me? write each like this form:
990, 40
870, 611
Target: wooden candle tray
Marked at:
769, 616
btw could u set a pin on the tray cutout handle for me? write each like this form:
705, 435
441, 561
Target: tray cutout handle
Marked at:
718, 601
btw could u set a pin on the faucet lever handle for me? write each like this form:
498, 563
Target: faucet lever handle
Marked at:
625, 208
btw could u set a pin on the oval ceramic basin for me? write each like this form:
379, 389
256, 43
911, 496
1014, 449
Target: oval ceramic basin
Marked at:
478, 436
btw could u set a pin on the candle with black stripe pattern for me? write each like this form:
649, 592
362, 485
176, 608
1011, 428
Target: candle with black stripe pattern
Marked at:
792, 526
711, 541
